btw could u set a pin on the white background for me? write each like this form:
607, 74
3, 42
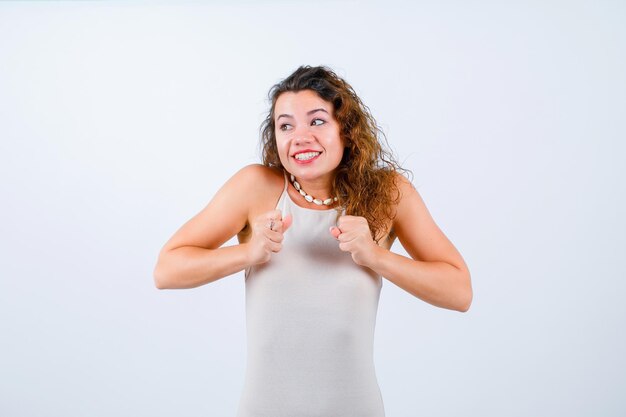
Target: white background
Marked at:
120, 120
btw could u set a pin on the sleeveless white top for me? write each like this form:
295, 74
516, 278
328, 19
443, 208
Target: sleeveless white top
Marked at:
310, 320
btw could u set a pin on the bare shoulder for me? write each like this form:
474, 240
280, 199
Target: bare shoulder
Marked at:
250, 184
403, 183
254, 176
410, 210
228, 212
417, 231
254, 170
403, 186
405, 191
259, 184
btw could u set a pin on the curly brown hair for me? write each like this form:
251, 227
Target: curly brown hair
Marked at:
365, 180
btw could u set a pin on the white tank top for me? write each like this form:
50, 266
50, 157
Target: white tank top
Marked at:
310, 320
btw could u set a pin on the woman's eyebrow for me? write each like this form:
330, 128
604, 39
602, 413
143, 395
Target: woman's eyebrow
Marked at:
308, 113
314, 110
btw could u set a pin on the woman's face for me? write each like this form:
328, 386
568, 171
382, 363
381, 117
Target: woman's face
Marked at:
307, 135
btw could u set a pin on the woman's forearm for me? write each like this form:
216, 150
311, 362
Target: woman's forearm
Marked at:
438, 283
191, 266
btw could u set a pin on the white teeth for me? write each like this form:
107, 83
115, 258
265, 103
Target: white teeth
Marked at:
306, 155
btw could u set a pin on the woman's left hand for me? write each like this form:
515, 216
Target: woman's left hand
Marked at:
354, 236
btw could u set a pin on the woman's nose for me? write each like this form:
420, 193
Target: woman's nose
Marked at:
302, 135
301, 139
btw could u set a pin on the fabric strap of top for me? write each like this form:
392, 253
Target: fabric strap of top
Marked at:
286, 182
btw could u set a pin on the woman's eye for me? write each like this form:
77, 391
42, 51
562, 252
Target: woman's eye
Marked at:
315, 122
284, 126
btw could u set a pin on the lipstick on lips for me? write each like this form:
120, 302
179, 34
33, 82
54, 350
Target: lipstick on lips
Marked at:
306, 156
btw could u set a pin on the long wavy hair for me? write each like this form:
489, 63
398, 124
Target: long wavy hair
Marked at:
365, 180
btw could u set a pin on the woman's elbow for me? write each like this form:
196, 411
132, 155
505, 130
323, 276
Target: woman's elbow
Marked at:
467, 295
464, 307
160, 285
159, 277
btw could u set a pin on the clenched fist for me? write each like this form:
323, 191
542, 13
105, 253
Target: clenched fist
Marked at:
354, 236
267, 235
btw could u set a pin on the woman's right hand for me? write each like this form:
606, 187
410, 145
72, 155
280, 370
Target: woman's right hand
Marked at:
264, 240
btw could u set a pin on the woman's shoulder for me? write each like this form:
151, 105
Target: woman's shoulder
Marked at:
254, 170
401, 186
259, 185
403, 183
405, 191
256, 178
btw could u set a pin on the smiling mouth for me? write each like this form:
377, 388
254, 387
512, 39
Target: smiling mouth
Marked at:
306, 156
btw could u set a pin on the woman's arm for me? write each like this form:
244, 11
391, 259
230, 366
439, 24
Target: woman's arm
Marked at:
435, 273
193, 256
436, 282
190, 266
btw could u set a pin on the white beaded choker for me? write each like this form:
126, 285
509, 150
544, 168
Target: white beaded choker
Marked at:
308, 197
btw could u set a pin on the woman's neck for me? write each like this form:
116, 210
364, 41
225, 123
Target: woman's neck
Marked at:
318, 188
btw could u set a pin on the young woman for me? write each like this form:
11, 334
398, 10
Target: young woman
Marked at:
315, 225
